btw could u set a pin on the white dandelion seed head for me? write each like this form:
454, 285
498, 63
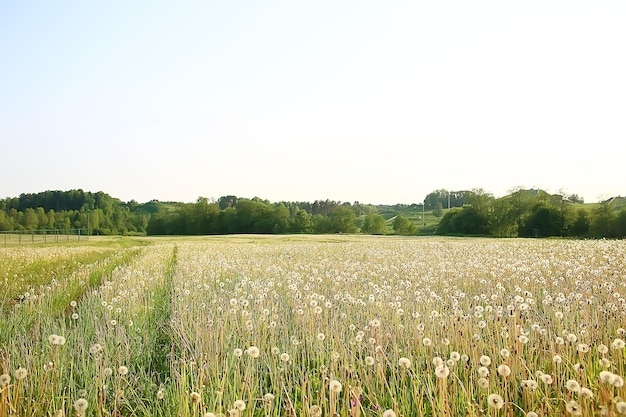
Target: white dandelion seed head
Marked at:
495, 401
404, 362
20, 373
573, 408
572, 385
335, 386
504, 370
253, 352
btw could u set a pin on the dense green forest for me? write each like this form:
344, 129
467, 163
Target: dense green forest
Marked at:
524, 213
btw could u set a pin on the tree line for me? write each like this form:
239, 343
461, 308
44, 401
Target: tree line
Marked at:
533, 213
524, 213
74, 209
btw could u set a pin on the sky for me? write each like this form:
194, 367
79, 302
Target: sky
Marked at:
380, 102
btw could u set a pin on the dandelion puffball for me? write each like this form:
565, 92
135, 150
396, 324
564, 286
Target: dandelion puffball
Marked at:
335, 386
495, 401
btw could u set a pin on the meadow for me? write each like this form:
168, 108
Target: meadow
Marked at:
313, 326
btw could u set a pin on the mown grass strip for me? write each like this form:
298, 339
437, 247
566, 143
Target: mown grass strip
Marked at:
56, 301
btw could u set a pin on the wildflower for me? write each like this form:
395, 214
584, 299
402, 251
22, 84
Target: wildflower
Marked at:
442, 371
505, 353
483, 383
557, 359
582, 348
238, 352
75, 316
572, 385
269, 397
160, 394
523, 339
95, 349
5, 379
620, 406
404, 362
122, 370
455, 356
370, 360
532, 414
80, 406
253, 352
531, 384
605, 376
335, 386
437, 361
195, 397
208, 414
485, 360
321, 337
586, 393
275, 351
603, 349
389, 413
284, 357
427, 342
483, 371
107, 372
495, 401
574, 408
558, 315
546, 379
20, 373
315, 411
618, 344
504, 370
617, 381
239, 405
56, 340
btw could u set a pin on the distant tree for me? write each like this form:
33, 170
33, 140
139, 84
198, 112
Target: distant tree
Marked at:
280, 219
602, 220
227, 201
301, 222
502, 219
343, 219
403, 226
438, 210
544, 221
374, 224
580, 227
575, 198
321, 224
481, 200
620, 224
29, 220
465, 221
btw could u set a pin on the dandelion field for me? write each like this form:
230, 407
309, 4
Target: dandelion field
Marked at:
314, 326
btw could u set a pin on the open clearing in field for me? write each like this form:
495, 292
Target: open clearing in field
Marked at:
318, 325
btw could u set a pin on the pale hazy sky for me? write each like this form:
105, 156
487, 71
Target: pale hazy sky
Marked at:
375, 101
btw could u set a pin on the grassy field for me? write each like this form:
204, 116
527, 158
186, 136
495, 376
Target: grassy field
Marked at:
313, 326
